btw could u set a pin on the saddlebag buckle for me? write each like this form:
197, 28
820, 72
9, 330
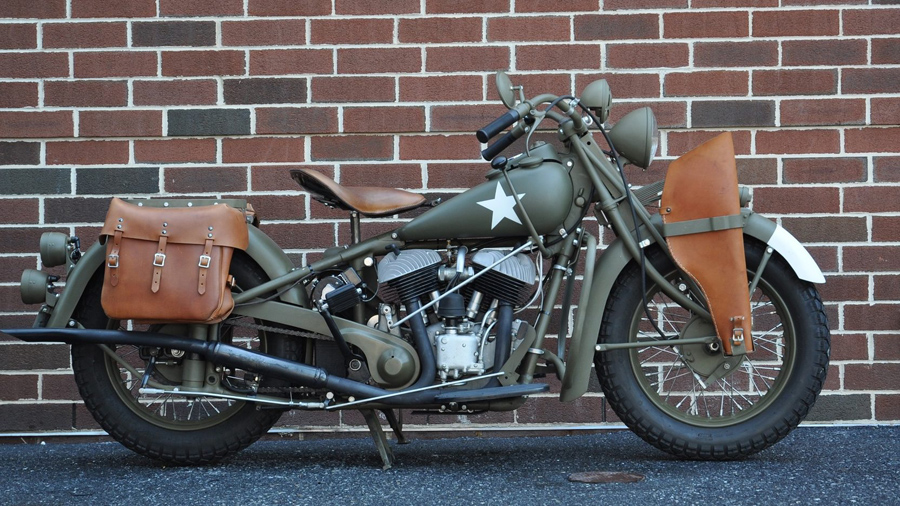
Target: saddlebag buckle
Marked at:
112, 261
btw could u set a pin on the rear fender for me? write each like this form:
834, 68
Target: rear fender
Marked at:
261, 249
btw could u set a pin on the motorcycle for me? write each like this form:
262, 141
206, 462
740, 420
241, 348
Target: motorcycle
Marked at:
701, 318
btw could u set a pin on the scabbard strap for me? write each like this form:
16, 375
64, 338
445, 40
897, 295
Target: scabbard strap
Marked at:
112, 260
205, 260
699, 226
159, 261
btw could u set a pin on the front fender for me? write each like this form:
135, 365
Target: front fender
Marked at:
261, 249
616, 257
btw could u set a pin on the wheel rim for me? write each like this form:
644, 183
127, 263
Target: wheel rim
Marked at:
747, 388
168, 410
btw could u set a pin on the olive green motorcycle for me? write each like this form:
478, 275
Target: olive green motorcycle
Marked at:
192, 331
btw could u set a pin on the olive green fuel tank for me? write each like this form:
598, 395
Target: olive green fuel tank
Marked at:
489, 210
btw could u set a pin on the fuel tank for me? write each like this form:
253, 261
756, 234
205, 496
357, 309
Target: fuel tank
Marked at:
542, 184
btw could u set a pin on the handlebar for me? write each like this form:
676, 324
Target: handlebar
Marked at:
498, 125
504, 142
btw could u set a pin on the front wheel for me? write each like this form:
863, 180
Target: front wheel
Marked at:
692, 400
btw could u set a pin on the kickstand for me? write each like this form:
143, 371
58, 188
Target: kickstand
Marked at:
378, 436
396, 426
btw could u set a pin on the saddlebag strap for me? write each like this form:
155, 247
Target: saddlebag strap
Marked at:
701, 225
205, 261
112, 260
159, 260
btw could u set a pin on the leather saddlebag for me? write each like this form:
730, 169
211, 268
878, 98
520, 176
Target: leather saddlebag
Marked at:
168, 264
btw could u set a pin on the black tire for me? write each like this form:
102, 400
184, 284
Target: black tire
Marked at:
170, 428
760, 397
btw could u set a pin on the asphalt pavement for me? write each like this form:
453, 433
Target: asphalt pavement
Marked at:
813, 465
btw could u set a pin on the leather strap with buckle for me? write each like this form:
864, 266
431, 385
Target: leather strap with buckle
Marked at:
205, 261
159, 260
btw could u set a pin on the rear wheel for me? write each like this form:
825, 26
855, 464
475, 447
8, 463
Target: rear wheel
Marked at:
692, 400
166, 426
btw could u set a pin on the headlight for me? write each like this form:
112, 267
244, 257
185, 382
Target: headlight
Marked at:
54, 248
636, 137
33, 286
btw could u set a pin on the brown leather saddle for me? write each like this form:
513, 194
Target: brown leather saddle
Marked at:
366, 200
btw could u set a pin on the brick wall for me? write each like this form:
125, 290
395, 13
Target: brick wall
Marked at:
220, 97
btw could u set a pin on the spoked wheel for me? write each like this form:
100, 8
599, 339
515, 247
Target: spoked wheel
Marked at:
694, 401
140, 410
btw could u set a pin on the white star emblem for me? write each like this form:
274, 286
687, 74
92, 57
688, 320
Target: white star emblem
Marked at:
501, 206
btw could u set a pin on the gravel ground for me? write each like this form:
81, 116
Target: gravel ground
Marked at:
814, 465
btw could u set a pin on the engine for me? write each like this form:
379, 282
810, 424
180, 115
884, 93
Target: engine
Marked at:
461, 328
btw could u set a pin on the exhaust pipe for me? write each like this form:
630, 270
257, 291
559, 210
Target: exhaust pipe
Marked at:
226, 354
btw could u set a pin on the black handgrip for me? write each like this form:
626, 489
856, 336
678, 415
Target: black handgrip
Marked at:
498, 125
494, 149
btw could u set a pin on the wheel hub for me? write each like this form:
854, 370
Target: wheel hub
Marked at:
706, 360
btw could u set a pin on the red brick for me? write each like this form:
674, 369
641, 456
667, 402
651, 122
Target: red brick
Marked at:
794, 82
887, 169
115, 64
465, 6
824, 52
384, 119
871, 259
369, 7
134, 123
175, 151
466, 58
679, 143
668, 54
34, 65
14, 125
18, 94
870, 80
558, 56
824, 170
439, 147
353, 89
823, 112
289, 8
440, 30
205, 179
848, 346
440, 88
623, 85
819, 3
175, 92
18, 387
885, 51
107, 9
757, 53
352, 147
797, 141
757, 170
701, 4
201, 7
886, 345
296, 120
203, 63
828, 229
301, 235
379, 60
524, 29
887, 407
17, 211
264, 32
455, 175
87, 152
793, 200
463, 118
871, 199
611, 5
278, 178
795, 23
696, 25
353, 31
871, 21
668, 114
263, 149
596, 27
18, 36
886, 229
86, 93
544, 6
274, 62
873, 376
871, 140
716, 83
391, 175
79, 35
46, 9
